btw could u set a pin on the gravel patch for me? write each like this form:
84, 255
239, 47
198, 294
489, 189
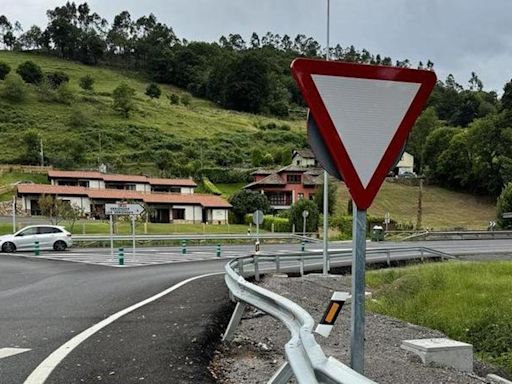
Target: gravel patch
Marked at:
257, 350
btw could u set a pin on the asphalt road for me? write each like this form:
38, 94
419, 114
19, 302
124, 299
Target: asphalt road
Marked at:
44, 303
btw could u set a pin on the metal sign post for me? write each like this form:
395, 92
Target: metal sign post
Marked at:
133, 235
358, 280
305, 215
387, 220
257, 218
13, 214
111, 236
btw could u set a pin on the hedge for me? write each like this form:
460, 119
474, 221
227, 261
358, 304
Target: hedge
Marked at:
280, 224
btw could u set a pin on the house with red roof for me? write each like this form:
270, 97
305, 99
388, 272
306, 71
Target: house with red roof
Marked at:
168, 200
287, 185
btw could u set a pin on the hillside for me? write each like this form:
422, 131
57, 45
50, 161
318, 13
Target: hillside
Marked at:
156, 130
442, 209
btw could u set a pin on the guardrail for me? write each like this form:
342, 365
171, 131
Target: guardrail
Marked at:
184, 236
305, 358
460, 235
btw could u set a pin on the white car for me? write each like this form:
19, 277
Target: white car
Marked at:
49, 237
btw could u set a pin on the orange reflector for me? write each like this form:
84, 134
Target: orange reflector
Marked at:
331, 313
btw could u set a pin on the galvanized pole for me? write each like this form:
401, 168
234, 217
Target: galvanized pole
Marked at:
111, 237
326, 176
304, 226
358, 285
14, 214
133, 234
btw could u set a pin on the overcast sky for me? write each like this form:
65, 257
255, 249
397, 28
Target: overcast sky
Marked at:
459, 36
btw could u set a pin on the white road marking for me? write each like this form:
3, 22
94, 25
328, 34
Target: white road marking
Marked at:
6, 352
43, 370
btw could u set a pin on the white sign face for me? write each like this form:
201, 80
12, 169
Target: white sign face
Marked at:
367, 120
257, 217
123, 209
305, 214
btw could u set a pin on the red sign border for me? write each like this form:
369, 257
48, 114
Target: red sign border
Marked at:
302, 69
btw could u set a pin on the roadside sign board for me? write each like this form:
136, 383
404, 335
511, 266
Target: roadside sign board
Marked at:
305, 214
364, 114
507, 215
257, 217
120, 209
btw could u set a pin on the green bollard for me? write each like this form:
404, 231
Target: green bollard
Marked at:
218, 250
37, 252
184, 247
120, 256
303, 246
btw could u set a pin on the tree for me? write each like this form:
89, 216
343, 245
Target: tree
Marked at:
32, 39
425, 124
86, 83
174, 99
14, 89
504, 204
57, 210
31, 142
57, 78
245, 202
153, 91
297, 219
506, 99
185, 99
30, 72
123, 99
4, 70
332, 198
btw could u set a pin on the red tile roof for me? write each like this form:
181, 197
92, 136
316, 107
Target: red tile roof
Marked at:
176, 182
207, 201
120, 178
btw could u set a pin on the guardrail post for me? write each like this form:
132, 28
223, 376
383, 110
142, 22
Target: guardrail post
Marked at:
234, 321
218, 249
184, 247
283, 375
256, 269
37, 252
388, 257
278, 264
120, 256
302, 265
303, 246
241, 267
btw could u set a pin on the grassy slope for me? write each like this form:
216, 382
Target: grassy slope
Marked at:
201, 119
469, 301
442, 209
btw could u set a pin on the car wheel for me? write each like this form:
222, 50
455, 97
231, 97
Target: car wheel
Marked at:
9, 247
60, 246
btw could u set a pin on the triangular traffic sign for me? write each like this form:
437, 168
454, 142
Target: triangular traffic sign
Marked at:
364, 114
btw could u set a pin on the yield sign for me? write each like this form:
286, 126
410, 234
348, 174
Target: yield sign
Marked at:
364, 114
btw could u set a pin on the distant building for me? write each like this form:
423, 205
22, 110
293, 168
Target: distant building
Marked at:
405, 165
169, 200
286, 185
304, 158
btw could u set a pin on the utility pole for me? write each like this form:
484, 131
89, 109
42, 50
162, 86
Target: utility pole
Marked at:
41, 152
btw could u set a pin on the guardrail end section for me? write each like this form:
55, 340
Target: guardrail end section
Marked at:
283, 375
236, 317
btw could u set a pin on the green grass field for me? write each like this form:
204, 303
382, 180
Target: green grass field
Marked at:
442, 209
229, 189
153, 121
468, 301
9, 178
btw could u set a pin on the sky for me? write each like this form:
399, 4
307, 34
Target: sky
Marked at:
459, 36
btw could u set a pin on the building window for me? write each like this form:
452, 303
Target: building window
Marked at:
178, 214
311, 196
293, 179
301, 196
83, 183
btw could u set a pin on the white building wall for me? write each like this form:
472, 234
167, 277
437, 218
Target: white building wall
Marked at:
190, 213
82, 203
140, 187
96, 184
187, 190
219, 215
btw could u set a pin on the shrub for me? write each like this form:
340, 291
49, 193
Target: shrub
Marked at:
87, 83
56, 79
65, 94
174, 99
245, 202
4, 70
297, 219
225, 175
30, 72
14, 89
153, 91
123, 99
185, 100
504, 204
281, 224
